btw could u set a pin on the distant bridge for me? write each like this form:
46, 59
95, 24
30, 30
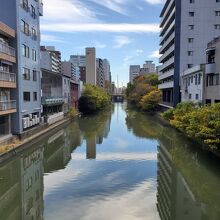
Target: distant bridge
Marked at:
118, 97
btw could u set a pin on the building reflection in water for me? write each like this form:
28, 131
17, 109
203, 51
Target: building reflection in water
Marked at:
21, 191
175, 200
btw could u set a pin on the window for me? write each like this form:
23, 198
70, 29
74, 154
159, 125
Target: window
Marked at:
24, 4
217, 1
191, 14
34, 75
25, 51
191, 1
190, 40
217, 26
199, 79
190, 53
217, 13
196, 79
26, 74
197, 96
191, 79
34, 34
190, 66
33, 14
34, 55
25, 27
190, 96
35, 96
191, 27
26, 96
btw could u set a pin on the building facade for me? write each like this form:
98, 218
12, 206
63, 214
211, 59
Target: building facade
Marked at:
134, 72
186, 28
100, 75
24, 17
91, 66
192, 84
150, 66
212, 87
52, 85
78, 60
7, 79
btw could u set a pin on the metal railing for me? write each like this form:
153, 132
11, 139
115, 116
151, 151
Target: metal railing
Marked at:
7, 105
4, 48
52, 100
6, 76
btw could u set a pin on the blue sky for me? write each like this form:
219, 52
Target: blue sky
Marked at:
123, 31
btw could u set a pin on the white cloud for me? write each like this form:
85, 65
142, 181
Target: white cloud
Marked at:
114, 5
155, 2
100, 27
50, 38
139, 51
155, 54
121, 41
99, 45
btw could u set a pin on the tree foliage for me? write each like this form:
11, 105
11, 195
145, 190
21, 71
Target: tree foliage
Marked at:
93, 99
201, 122
143, 93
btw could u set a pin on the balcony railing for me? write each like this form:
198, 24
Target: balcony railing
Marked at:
7, 105
4, 48
8, 77
52, 101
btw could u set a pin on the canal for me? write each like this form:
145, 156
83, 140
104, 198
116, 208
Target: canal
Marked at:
116, 165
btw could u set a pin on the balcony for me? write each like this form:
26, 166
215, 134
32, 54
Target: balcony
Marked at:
7, 107
166, 64
210, 68
167, 74
167, 53
166, 85
7, 52
51, 101
7, 80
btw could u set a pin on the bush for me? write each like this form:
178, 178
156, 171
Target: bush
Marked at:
150, 101
168, 115
93, 99
72, 112
198, 122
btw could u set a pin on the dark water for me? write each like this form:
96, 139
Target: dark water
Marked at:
118, 165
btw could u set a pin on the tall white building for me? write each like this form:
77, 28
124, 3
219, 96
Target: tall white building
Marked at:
107, 70
150, 66
186, 28
91, 66
78, 60
134, 72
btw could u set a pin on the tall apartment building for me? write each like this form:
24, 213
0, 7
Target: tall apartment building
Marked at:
186, 28
24, 17
78, 60
91, 66
100, 75
150, 66
134, 72
7, 79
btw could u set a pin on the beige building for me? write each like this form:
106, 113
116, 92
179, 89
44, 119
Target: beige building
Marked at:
91, 66
212, 88
7, 79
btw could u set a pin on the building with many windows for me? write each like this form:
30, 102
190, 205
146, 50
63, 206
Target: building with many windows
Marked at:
134, 72
91, 77
7, 79
24, 17
100, 75
186, 28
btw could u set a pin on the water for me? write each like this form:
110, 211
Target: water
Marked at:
118, 165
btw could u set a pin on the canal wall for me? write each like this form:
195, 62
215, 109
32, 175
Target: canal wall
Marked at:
19, 146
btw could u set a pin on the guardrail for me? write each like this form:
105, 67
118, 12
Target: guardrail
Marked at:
8, 77
7, 105
4, 48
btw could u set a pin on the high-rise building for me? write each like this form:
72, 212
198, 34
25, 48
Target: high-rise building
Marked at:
7, 79
134, 72
100, 75
150, 66
78, 60
186, 28
91, 66
24, 17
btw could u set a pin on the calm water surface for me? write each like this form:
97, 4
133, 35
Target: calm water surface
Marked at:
116, 165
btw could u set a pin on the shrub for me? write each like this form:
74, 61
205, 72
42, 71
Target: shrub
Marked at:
168, 115
93, 99
150, 101
72, 112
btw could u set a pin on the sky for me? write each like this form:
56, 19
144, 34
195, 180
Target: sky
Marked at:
125, 32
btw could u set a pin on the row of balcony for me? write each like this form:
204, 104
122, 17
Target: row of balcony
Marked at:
50, 101
6, 49
7, 77
7, 107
